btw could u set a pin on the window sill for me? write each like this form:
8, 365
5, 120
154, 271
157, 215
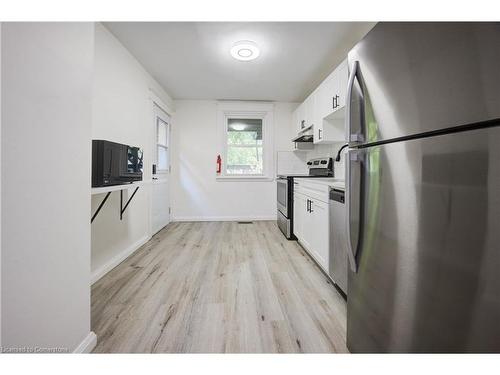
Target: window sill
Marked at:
243, 178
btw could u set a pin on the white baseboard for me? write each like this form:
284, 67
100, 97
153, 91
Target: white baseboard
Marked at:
117, 259
88, 344
224, 218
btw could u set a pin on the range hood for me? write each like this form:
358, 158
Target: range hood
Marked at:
305, 135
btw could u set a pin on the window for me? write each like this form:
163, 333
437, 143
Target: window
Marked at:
161, 145
246, 147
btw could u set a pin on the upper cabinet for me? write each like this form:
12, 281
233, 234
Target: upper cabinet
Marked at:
310, 108
324, 109
333, 90
304, 115
330, 108
299, 118
340, 88
295, 121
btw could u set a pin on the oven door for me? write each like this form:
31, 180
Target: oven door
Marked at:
282, 189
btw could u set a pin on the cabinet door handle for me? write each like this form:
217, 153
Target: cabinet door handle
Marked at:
335, 101
319, 133
311, 206
303, 124
307, 207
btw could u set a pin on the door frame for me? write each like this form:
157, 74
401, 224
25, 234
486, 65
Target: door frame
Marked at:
156, 102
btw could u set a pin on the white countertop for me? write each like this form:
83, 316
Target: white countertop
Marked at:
336, 183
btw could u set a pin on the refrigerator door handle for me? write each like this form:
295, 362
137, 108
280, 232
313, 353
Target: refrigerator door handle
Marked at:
357, 137
352, 156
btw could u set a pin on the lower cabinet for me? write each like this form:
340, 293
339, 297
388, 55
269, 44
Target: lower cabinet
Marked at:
311, 227
300, 218
320, 240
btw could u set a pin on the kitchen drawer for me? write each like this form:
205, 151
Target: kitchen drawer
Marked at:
314, 190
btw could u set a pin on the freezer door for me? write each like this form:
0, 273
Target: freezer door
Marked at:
427, 240
420, 77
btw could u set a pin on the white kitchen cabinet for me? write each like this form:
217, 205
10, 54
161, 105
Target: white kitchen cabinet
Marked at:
330, 107
324, 109
302, 221
342, 79
311, 223
298, 120
299, 212
295, 121
320, 237
325, 95
334, 90
310, 109
326, 129
300, 117
305, 114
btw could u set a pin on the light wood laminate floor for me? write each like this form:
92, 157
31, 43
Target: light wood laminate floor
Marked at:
203, 287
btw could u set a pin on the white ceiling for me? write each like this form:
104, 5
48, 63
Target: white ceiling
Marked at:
191, 60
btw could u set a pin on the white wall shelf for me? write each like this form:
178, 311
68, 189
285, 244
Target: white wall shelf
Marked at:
106, 189
109, 189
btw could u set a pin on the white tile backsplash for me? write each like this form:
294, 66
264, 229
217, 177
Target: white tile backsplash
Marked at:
290, 162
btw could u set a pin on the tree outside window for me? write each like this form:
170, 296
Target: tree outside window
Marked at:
244, 147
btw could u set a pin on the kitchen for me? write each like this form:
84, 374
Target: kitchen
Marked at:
237, 200
337, 205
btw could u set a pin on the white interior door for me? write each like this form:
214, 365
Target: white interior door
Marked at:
160, 196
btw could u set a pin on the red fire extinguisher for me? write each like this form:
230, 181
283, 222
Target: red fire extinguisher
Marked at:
219, 164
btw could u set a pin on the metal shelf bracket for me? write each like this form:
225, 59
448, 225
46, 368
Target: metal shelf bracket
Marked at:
100, 206
122, 207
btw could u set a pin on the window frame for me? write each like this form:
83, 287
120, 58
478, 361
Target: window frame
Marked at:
165, 147
227, 146
246, 110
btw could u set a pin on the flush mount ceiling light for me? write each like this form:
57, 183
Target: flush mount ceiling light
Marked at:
245, 50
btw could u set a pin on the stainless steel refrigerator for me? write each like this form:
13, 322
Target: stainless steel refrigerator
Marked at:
423, 188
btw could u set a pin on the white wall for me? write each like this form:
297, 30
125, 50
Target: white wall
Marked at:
196, 195
122, 112
46, 127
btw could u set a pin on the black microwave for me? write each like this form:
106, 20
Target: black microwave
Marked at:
115, 163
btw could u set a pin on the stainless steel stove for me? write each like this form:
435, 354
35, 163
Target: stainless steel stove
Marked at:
320, 167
